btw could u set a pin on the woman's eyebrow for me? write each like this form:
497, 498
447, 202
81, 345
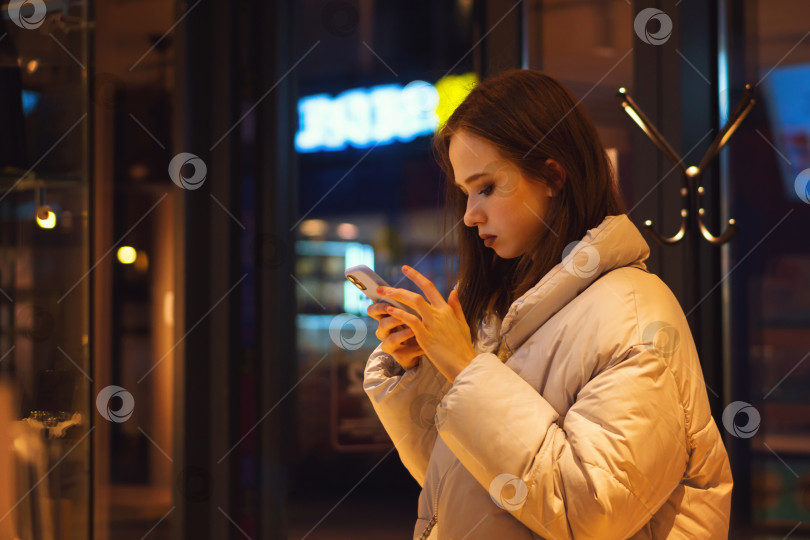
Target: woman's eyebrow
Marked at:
473, 177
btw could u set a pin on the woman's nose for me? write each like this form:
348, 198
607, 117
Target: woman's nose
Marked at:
473, 215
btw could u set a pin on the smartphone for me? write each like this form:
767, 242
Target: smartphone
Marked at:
365, 279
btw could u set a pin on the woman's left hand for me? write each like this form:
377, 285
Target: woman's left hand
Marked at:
443, 332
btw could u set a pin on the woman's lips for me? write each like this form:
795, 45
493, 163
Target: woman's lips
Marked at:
488, 241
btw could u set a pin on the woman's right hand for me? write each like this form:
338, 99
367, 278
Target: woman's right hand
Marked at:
397, 339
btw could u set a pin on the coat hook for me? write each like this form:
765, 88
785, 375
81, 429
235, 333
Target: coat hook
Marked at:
692, 191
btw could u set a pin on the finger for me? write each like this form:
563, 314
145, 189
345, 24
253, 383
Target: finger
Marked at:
383, 330
386, 325
401, 336
390, 344
377, 310
409, 298
408, 358
427, 286
455, 303
411, 321
398, 343
408, 354
409, 348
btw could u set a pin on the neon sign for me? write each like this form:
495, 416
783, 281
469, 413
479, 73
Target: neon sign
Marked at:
377, 115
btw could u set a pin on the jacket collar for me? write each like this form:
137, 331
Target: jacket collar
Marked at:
614, 243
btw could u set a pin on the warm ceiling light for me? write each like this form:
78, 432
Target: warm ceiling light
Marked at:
314, 227
45, 217
127, 254
347, 231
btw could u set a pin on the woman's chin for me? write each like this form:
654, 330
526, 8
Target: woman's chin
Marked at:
504, 253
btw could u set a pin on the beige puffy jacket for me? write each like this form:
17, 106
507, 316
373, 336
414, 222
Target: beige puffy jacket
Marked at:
584, 415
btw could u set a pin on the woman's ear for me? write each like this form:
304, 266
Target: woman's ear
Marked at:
557, 176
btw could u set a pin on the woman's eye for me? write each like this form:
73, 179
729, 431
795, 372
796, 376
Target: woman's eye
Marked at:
487, 190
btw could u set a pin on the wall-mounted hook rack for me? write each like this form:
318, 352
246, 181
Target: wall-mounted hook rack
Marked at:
692, 191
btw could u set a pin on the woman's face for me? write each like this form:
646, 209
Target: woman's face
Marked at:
501, 202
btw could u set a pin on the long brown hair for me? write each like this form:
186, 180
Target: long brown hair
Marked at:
528, 117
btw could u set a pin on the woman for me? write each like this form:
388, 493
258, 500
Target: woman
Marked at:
557, 392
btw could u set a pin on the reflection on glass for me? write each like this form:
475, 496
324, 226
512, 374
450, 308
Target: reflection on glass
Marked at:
369, 100
771, 297
45, 387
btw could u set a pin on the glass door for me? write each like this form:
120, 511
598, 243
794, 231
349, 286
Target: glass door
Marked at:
768, 419
369, 96
46, 416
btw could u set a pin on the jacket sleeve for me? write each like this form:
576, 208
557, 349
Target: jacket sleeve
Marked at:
601, 471
405, 402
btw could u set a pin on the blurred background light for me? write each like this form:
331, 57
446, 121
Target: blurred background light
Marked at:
127, 254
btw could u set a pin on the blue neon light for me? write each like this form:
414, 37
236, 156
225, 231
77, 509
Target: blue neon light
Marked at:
367, 117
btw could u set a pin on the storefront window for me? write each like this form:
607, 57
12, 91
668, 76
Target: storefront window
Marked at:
45, 373
370, 95
769, 175
135, 258
588, 46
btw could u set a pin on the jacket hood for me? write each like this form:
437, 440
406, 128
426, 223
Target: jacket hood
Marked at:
614, 243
